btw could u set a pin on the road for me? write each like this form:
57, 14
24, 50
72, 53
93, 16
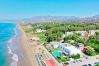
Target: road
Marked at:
90, 60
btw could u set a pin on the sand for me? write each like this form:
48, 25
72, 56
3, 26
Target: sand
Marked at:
27, 49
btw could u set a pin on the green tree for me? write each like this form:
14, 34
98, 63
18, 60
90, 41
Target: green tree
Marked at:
91, 52
67, 38
97, 33
81, 40
92, 37
97, 65
77, 56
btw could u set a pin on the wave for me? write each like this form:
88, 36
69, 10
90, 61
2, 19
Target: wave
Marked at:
9, 50
10, 41
14, 56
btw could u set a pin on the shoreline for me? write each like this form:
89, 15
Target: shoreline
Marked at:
19, 50
12, 55
27, 49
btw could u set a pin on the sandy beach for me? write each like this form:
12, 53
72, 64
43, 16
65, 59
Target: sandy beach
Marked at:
27, 49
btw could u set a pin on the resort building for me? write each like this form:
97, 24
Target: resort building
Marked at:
97, 30
92, 32
40, 30
80, 46
85, 35
81, 32
56, 46
69, 50
69, 33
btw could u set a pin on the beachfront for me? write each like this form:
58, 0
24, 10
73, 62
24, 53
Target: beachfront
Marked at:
27, 50
67, 49
36, 50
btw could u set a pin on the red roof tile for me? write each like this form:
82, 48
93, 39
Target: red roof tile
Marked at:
50, 63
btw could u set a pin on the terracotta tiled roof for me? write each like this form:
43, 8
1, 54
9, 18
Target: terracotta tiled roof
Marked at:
50, 63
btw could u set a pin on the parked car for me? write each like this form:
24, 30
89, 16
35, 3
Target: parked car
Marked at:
89, 65
80, 60
97, 58
66, 63
96, 63
77, 60
84, 65
73, 61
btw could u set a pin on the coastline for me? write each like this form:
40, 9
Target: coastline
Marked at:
12, 53
19, 50
26, 49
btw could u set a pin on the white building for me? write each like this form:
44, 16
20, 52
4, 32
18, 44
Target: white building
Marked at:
92, 32
73, 32
69, 50
97, 30
56, 46
69, 33
39, 30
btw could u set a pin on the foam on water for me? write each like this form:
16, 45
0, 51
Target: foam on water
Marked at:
14, 55
9, 50
14, 64
6, 32
10, 41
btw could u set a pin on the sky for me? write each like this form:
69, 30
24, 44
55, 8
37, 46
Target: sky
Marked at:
19, 9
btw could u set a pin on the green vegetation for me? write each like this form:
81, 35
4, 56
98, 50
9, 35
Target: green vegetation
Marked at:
42, 38
55, 31
91, 52
97, 65
54, 49
62, 59
77, 56
97, 33
73, 37
94, 43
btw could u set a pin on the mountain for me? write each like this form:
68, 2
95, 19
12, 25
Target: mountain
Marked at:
50, 19
90, 19
36, 19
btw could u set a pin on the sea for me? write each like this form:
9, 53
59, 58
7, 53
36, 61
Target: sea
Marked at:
7, 55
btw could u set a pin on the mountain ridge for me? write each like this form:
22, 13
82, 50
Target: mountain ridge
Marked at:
37, 19
62, 19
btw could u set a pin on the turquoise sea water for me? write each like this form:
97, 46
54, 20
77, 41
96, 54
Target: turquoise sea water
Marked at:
6, 32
